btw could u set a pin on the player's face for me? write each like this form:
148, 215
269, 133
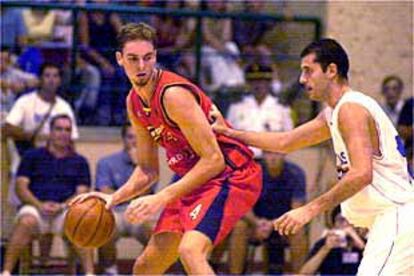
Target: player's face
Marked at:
138, 57
313, 78
60, 134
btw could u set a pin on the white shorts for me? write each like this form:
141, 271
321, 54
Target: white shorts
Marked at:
46, 224
126, 229
390, 247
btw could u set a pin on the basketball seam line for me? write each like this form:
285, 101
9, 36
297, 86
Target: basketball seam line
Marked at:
99, 222
80, 220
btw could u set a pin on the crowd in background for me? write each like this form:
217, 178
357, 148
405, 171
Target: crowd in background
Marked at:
238, 58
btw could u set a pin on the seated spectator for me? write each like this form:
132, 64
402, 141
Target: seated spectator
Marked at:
392, 88
338, 252
12, 28
97, 34
259, 111
47, 178
168, 29
220, 54
405, 121
13, 82
284, 188
39, 24
112, 172
27, 121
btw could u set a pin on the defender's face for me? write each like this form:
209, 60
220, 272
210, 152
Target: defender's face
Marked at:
138, 57
314, 80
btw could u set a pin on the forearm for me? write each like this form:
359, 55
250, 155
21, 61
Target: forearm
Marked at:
269, 141
138, 183
298, 248
16, 133
27, 197
201, 173
348, 186
313, 264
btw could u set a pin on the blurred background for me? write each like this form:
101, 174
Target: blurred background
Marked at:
219, 45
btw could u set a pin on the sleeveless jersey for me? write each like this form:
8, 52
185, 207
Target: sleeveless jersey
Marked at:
391, 184
180, 156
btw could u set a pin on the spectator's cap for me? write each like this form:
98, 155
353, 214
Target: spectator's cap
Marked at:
258, 71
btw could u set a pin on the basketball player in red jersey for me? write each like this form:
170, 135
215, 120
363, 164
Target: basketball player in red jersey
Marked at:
219, 182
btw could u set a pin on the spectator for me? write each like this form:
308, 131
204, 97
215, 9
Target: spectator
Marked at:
220, 54
284, 188
259, 111
168, 31
248, 33
13, 82
405, 129
27, 120
40, 24
392, 88
338, 252
47, 178
98, 31
113, 171
13, 30
405, 121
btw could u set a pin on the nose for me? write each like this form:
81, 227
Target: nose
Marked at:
302, 79
141, 63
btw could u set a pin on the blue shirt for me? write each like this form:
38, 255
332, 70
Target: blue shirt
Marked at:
51, 178
278, 193
114, 170
12, 26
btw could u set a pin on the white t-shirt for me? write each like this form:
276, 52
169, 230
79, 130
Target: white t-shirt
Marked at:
269, 116
391, 184
29, 110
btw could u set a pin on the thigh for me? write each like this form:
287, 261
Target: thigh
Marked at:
43, 224
57, 223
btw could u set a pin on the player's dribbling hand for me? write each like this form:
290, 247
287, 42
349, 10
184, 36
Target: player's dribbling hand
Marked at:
82, 197
143, 208
291, 222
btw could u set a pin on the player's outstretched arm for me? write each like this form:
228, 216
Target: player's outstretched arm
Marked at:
308, 134
358, 132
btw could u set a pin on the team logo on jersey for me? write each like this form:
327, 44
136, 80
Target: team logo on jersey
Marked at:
196, 211
156, 132
342, 165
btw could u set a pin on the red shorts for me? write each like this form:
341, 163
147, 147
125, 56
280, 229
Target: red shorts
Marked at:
215, 207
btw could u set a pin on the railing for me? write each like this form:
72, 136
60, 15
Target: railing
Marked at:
199, 14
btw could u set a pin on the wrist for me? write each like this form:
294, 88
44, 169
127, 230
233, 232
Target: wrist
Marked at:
166, 196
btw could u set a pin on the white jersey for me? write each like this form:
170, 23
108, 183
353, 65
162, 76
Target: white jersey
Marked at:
391, 184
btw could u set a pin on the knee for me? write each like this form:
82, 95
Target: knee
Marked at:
188, 252
28, 221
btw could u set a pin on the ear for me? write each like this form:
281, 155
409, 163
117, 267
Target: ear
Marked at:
332, 70
119, 58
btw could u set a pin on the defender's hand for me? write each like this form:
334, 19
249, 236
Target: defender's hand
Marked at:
219, 124
291, 222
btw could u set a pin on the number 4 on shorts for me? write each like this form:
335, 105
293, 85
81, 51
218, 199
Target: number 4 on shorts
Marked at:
195, 212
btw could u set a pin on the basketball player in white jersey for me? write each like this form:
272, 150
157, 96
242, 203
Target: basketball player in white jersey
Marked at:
374, 188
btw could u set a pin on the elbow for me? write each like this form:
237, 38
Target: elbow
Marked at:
217, 163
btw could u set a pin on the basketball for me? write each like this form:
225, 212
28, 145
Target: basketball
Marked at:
88, 224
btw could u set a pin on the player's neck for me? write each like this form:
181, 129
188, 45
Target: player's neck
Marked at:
146, 91
336, 91
58, 151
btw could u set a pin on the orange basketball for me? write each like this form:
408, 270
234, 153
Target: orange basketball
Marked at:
89, 224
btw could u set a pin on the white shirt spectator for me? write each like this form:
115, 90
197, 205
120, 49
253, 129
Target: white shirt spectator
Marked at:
394, 113
269, 116
29, 110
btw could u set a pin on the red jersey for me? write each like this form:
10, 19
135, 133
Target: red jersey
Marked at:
180, 156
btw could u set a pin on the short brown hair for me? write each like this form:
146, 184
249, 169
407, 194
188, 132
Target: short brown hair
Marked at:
136, 31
